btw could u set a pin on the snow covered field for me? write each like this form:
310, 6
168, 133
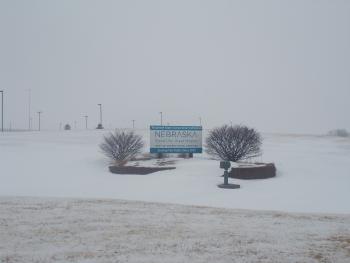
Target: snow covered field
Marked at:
313, 174
90, 231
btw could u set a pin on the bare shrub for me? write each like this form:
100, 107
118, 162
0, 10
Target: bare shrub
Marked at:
233, 143
121, 146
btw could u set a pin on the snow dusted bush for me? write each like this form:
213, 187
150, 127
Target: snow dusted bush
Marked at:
233, 143
121, 146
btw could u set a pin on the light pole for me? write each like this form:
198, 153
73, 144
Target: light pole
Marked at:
200, 121
2, 110
39, 113
29, 104
161, 118
86, 121
100, 124
133, 124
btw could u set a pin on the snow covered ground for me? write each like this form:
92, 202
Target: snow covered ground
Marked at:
91, 231
313, 174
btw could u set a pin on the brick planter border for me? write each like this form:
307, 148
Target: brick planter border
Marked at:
137, 169
262, 171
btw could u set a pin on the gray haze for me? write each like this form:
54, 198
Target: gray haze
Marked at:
279, 66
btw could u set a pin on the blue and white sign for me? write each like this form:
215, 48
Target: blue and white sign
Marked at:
176, 139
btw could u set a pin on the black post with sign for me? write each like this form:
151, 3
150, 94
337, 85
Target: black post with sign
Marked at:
226, 165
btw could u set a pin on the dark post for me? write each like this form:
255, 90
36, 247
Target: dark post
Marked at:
226, 165
2, 110
29, 105
100, 126
100, 113
226, 177
39, 112
161, 118
86, 121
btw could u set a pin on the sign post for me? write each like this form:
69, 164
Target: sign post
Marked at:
226, 165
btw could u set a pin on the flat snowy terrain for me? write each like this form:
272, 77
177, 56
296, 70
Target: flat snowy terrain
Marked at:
91, 231
313, 173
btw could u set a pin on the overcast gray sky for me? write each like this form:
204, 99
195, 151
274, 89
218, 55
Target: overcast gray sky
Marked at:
279, 66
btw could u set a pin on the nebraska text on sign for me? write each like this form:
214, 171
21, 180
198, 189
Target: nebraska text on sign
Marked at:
176, 139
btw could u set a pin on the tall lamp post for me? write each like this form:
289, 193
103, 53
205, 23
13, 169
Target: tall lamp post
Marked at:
29, 113
2, 110
99, 126
86, 121
39, 113
133, 124
200, 121
161, 118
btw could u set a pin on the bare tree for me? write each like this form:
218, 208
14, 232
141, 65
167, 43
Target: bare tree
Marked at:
122, 146
233, 143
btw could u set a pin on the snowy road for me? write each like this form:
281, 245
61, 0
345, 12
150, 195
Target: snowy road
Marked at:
70, 230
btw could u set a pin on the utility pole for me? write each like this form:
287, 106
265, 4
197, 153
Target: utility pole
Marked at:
2, 110
29, 110
161, 118
39, 113
100, 126
86, 121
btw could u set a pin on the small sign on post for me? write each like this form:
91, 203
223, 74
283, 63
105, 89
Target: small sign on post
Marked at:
175, 139
226, 165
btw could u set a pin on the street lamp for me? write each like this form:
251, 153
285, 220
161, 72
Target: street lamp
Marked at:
29, 104
200, 121
99, 126
39, 113
2, 110
86, 121
133, 124
161, 118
